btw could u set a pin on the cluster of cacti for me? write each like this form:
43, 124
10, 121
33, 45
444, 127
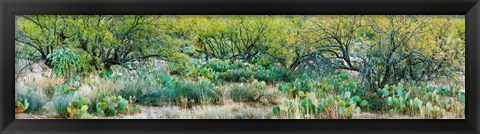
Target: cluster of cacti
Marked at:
432, 96
78, 109
415, 104
398, 97
234, 71
274, 74
440, 101
111, 106
429, 102
341, 106
341, 82
70, 88
21, 104
292, 89
451, 90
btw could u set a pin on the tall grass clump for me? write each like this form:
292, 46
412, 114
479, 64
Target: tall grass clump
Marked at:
163, 89
199, 92
147, 89
249, 92
35, 99
61, 103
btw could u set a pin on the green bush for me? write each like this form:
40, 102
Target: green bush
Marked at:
65, 63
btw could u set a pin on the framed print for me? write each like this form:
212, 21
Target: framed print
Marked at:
239, 66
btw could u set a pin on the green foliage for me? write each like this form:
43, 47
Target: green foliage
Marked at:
324, 66
65, 62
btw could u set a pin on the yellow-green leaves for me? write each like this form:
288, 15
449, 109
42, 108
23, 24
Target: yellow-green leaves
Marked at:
84, 108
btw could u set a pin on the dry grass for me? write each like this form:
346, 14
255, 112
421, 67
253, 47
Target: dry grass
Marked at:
230, 111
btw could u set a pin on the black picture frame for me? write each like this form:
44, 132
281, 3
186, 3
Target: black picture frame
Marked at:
10, 8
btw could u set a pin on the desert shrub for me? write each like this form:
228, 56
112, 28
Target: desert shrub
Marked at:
65, 62
29, 101
274, 74
251, 92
